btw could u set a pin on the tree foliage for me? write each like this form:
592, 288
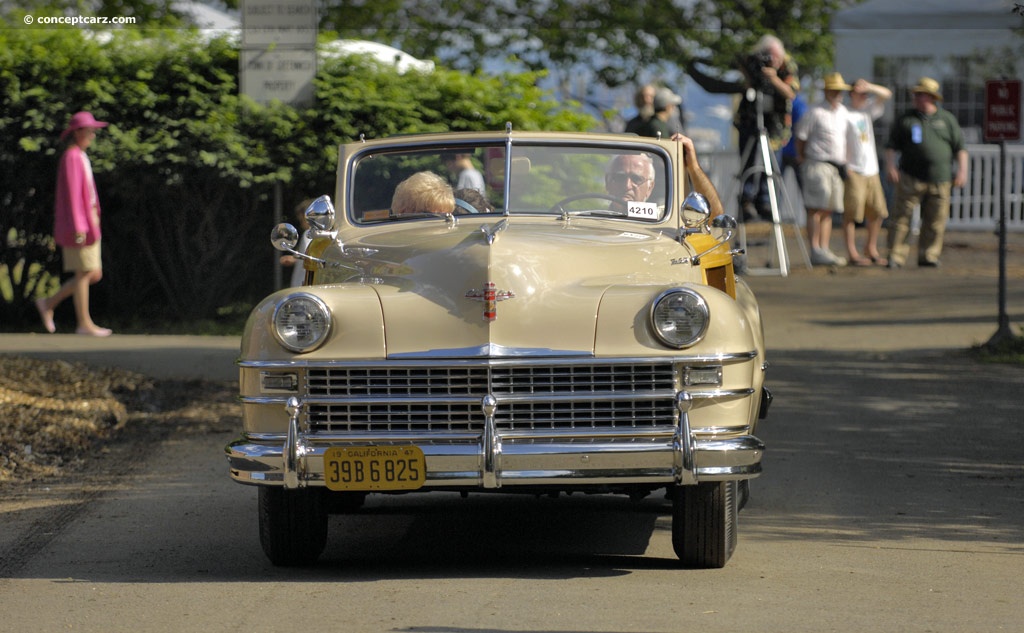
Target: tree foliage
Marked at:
187, 169
618, 42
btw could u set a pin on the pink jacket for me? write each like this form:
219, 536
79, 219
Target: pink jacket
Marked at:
76, 191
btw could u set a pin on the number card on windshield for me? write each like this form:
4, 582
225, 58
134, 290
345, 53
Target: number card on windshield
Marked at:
642, 210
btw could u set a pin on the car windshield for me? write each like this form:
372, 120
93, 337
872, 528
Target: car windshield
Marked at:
615, 181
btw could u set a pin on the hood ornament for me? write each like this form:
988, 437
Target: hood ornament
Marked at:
490, 295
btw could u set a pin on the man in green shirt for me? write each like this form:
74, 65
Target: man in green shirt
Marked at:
928, 140
666, 105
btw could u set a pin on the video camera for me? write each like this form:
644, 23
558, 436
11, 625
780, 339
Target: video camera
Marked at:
752, 65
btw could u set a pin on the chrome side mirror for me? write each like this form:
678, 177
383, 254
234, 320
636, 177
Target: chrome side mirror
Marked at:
695, 213
320, 214
723, 227
284, 237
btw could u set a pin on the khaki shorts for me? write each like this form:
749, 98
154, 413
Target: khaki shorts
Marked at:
864, 198
82, 259
823, 188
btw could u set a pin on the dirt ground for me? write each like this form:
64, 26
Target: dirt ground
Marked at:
58, 418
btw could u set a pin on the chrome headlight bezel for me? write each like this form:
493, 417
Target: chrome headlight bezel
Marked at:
666, 326
301, 322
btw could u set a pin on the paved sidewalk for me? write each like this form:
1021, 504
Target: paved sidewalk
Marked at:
846, 309
179, 357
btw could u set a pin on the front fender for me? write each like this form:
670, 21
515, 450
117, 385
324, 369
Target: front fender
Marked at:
624, 329
357, 326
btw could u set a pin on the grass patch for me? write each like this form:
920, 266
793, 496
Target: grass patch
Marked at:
1009, 350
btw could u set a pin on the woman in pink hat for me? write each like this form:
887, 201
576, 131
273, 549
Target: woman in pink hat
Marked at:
77, 226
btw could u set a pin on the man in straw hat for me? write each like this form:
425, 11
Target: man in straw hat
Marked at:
821, 152
864, 200
927, 139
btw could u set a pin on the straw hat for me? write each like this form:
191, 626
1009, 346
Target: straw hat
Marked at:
834, 81
928, 86
81, 120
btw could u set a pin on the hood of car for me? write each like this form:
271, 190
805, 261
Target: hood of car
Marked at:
491, 287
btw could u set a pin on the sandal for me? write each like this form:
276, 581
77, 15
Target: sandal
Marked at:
45, 315
878, 260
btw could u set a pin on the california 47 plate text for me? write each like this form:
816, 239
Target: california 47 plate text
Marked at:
374, 468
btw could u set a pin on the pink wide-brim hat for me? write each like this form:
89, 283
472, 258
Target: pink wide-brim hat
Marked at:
80, 120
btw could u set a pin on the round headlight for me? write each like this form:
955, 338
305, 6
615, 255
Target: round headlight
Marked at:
302, 322
679, 317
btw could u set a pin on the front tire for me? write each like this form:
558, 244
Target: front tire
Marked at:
293, 525
704, 524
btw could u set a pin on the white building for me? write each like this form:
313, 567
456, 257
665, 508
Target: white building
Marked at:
961, 43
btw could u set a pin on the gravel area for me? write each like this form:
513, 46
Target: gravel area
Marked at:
57, 417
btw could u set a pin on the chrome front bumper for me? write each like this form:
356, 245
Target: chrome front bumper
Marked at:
664, 455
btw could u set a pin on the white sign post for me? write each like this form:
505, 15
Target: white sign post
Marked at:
284, 75
278, 63
278, 60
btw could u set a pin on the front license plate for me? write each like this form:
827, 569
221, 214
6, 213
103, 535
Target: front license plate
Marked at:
375, 468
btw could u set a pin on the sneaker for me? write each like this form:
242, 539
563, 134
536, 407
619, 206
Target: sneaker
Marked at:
824, 257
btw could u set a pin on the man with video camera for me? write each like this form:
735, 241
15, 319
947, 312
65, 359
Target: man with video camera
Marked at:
767, 91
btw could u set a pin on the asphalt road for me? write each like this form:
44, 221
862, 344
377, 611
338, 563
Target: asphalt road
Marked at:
890, 502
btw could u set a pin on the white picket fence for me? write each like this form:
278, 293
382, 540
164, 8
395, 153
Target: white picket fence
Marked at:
975, 207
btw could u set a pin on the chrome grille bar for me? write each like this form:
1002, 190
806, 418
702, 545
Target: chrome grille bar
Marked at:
438, 398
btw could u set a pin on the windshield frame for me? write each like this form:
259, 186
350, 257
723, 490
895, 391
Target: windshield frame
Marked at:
510, 151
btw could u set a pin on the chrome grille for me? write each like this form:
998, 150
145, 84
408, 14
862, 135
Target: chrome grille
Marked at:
584, 414
580, 379
391, 382
395, 417
440, 399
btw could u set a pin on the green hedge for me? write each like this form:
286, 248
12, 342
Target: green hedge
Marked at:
186, 171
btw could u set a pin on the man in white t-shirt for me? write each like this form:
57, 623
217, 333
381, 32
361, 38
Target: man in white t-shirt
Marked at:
864, 199
466, 175
821, 153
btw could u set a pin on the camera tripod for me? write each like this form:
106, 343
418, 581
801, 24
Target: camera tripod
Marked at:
766, 165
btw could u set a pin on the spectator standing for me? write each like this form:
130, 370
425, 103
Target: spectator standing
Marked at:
466, 175
644, 102
77, 226
928, 139
666, 109
864, 199
789, 161
767, 91
821, 152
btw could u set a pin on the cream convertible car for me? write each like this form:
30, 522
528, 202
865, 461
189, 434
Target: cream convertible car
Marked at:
546, 336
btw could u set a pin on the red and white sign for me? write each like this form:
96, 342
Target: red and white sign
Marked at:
1002, 110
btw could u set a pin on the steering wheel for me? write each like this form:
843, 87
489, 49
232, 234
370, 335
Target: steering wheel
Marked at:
557, 208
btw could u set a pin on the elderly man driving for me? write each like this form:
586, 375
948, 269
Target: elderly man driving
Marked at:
631, 177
